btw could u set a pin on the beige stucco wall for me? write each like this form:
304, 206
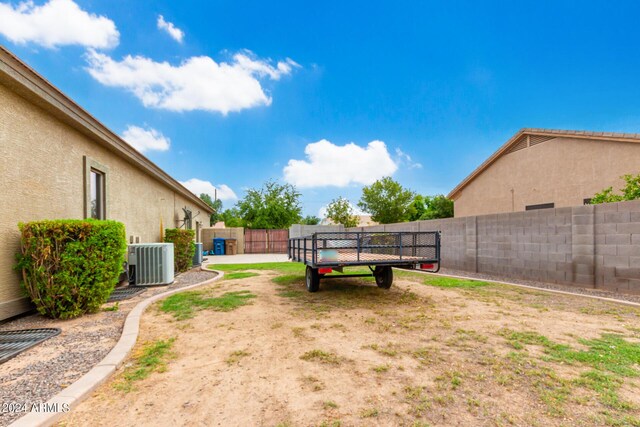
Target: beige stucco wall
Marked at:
564, 171
41, 172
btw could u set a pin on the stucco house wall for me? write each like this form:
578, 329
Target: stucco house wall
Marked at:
42, 170
563, 170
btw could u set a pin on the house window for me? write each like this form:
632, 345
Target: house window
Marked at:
97, 194
540, 206
95, 189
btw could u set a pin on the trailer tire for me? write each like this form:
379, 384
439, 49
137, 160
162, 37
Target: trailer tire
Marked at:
384, 276
312, 279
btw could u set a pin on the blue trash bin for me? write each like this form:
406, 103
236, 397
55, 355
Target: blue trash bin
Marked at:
218, 246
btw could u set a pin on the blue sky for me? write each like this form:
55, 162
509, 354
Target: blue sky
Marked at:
332, 95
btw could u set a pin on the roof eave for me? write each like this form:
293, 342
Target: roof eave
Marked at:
602, 136
29, 84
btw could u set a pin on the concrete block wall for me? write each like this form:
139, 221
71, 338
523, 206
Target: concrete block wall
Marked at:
594, 246
617, 246
533, 245
456, 245
302, 230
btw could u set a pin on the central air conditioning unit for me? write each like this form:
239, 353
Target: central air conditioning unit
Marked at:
197, 256
151, 264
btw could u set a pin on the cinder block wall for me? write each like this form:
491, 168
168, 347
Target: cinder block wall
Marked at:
596, 246
207, 235
301, 230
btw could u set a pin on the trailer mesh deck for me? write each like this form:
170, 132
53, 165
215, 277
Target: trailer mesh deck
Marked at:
365, 248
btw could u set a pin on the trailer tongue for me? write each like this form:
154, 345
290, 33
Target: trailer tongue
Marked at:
323, 253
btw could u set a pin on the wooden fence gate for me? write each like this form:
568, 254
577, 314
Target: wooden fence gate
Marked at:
265, 241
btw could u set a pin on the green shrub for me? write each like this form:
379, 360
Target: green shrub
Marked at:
631, 191
183, 247
70, 267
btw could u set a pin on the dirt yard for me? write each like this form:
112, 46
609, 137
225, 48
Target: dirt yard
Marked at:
449, 353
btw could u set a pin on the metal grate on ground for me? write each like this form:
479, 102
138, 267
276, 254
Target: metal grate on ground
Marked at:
124, 293
13, 343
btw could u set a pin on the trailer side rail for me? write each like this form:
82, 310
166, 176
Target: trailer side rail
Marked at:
337, 249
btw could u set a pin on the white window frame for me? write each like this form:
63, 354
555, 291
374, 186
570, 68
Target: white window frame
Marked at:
91, 165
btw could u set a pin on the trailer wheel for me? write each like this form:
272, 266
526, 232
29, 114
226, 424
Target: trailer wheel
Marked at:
313, 279
384, 277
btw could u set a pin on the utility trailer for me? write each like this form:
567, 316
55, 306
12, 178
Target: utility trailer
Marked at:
323, 253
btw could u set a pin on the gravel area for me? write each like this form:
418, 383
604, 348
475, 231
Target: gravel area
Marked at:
38, 374
545, 285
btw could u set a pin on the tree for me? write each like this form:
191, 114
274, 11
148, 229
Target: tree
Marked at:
437, 207
215, 205
231, 218
340, 211
273, 206
631, 191
387, 201
310, 220
416, 208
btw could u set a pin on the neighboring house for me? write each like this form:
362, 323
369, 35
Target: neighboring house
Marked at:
542, 168
57, 161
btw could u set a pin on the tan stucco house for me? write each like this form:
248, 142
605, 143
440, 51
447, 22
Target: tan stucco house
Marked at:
543, 168
57, 161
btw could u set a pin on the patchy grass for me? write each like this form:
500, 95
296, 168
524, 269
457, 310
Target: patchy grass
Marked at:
235, 357
288, 284
348, 293
389, 350
330, 404
239, 275
328, 358
313, 383
439, 355
417, 397
610, 357
280, 267
182, 305
300, 333
152, 357
288, 280
381, 368
369, 413
423, 355
114, 307
450, 282
449, 379
466, 338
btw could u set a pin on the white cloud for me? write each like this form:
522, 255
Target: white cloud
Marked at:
328, 164
56, 23
145, 140
198, 187
176, 33
405, 159
198, 83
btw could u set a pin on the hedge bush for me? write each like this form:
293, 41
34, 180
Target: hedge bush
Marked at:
183, 247
70, 267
